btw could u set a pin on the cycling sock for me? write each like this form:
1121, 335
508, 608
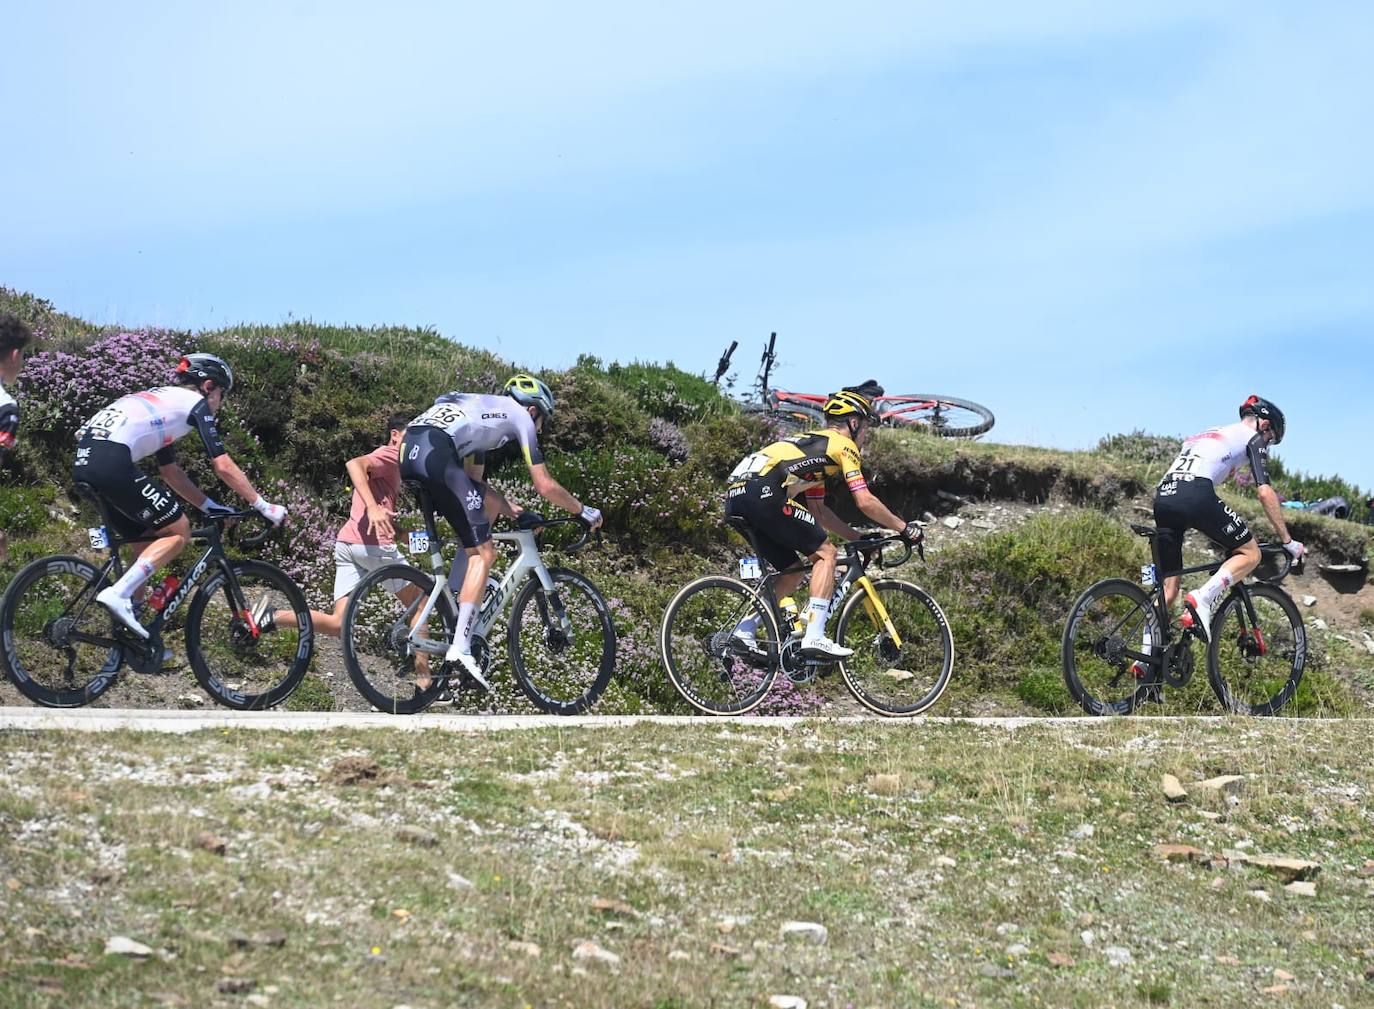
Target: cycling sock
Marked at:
458, 571
139, 572
748, 626
466, 614
1215, 586
816, 612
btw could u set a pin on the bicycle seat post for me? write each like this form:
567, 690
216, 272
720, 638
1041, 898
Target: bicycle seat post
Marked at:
426, 506
113, 539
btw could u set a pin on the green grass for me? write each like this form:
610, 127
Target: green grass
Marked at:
699, 842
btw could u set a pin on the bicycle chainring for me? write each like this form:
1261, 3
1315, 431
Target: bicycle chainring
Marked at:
794, 665
1178, 664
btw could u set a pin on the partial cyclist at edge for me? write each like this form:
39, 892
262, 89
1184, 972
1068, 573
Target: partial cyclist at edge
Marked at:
1187, 499
763, 491
109, 447
444, 450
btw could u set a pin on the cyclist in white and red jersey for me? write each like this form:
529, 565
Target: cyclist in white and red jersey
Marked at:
111, 443
444, 450
1187, 499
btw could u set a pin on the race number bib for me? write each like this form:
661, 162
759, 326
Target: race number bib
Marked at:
445, 415
99, 537
749, 568
419, 541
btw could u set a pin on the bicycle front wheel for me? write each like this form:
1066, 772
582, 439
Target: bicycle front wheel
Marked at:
1109, 622
903, 648
563, 667
945, 416
237, 667
1255, 665
714, 669
45, 610
377, 625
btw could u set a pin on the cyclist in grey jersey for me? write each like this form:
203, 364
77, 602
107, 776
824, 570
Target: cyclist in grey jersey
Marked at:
1187, 499
444, 450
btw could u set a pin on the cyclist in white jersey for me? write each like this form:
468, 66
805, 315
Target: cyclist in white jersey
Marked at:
1187, 499
444, 450
110, 445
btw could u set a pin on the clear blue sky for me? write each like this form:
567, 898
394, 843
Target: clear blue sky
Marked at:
1093, 217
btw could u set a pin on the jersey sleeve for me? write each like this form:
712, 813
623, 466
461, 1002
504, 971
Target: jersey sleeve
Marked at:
528, 438
166, 455
203, 421
9, 428
846, 455
1258, 454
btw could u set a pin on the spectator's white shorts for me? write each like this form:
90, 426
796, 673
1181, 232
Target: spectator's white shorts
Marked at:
352, 561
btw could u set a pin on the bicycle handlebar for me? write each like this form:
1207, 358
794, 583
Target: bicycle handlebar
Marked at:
724, 361
1290, 566
222, 518
867, 544
534, 522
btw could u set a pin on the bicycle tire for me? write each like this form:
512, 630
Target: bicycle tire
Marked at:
962, 429
791, 419
696, 629
237, 668
876, 657
1231, 668
26, 614
1123, 625
377, 663
571, 693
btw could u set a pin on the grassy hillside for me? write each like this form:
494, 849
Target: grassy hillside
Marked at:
648, 444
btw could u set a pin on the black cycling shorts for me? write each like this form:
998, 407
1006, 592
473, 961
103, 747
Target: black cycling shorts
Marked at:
429, 457
1181, 505
138, 503
782, 528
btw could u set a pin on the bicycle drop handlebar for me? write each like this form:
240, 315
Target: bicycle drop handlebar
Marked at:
220, 519
534, 522
875, 544
1271, 551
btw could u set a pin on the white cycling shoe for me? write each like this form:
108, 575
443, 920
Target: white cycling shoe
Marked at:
1196, 616
123, 610
456, 654
824, 648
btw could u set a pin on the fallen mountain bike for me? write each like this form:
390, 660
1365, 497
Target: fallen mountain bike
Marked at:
62, 649
903, 648
400, 620
1121, 648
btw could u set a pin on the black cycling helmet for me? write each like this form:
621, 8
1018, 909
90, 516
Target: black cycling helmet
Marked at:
199, 367
1262, 408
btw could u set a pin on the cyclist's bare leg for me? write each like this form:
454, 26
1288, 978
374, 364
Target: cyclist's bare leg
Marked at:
822, 571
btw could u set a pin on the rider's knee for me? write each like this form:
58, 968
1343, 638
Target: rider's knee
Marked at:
486, 552
825, 552
180, 529
1249, 552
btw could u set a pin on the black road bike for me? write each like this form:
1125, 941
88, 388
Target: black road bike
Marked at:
1120, 648
62, 649
903, 648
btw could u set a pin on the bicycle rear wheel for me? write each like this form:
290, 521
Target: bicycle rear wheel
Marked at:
376, 628
560, 672
900, 665
240, 669
945, 416
713, 671
48, 602
1110, 620
1255, 666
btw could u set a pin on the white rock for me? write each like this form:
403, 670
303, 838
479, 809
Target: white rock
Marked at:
1260, 895
1302, 887
457, 882
1007, 928
1118, 956
786, 1002
257, 790
809, 931
120, 945
679, 954
951, 521
1088, 936
1309, 600
529, 949
595, 952
1018, 949
1319, 624
1369, 645
1084, 832
944, 862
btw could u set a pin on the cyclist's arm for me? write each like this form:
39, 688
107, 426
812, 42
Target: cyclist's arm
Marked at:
829, 521
501, 504
551, 490
180, 483
867, 503
1258, 455
225, 468
1274, 510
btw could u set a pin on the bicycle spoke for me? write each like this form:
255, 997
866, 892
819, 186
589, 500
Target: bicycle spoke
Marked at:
903, 650
1255, 667
708, 664
561, 644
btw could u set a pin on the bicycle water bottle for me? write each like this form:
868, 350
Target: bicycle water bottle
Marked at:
792, 615
161, 595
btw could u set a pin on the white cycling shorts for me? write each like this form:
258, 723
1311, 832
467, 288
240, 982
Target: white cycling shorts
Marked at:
352, 562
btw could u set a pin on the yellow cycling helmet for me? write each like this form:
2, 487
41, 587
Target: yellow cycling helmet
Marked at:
848, 403
529, 391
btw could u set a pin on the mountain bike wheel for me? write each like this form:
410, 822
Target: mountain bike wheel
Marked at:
376, 625
234, 666
47, 600
945, 416
705, 664
560, 672
788, 418
901, 665
1255, 666
1108, 620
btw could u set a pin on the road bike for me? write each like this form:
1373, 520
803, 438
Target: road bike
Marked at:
1121, 648
62, 649
400, 621
903, 648
944, 416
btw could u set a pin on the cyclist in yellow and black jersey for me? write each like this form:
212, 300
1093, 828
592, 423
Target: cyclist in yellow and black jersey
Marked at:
763, 490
